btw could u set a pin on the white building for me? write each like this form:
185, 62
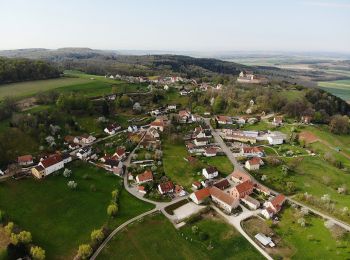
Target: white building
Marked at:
52, 164
210, 172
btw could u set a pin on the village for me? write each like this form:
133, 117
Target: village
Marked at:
135, 154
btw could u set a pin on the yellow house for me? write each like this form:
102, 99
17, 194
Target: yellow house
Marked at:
38, 171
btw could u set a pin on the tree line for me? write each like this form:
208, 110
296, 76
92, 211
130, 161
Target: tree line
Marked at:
17, 70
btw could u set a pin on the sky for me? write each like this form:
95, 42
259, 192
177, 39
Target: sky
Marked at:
181, 25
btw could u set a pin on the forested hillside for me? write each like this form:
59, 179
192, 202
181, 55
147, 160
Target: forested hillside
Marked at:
19, 69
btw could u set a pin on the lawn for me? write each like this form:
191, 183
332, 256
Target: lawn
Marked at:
29, 88
156, 238
314, 241
313, 175
184, 173
60, 219
340, 88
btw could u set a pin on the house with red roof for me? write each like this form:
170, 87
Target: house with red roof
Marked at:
48, 165
223, 199
120, 153
241, 190
25, 160
147, 176
200, 196
239, 176
158, 124
166, 187
254, 164
273, 206
252, 151
184, 116
112, 129
141, 189
277, 121
210, 152
196, 185
224, 120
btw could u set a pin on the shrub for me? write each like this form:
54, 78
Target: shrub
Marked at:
112, 210
37, 253
84, 251
97, 235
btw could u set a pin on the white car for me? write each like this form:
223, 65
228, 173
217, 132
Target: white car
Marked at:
2, 173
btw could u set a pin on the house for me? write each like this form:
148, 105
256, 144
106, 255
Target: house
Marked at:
223, 120
87, 139
276, 138
201, 141
306, 119
171, 107
84, 153
251, 202
184, 92
239, 137
241, 120
50, 164
241, 190
184, 116
179, 191
69, 139
277, 121
200, 196
222, 185
210, 172
112, 129
120, 153
254, 164
273, 206
262, 189
166, 187
154, 133
252, 151
196, 185
223, 199
141, 189
196, 118
210, 152
25, 160
158, 124
249, 77
147, 176
239, 176
111, 163
191, 159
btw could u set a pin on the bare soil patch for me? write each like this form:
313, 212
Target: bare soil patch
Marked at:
308, 137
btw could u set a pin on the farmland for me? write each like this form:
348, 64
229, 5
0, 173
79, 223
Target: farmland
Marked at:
154, 237
340, 88
70, 215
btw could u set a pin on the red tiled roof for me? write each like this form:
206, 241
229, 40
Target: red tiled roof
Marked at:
255, 161
223, 184
158, 122
120, 151
146, 176
278, 201
254, 149
197, 184
211, 150
244, 187
183, 113
166, 186
202, 194
51, 160
25, 158
222, 196
242, 176
211, 169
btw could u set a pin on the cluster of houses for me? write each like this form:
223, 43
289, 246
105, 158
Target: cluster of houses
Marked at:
75, 142
155, 79
199, 142
272, 137
163, 110
186, 117
239, 120
112, 129
228, 195
164, 188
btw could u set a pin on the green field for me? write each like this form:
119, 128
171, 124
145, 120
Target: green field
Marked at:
339, 88
184, 173
314, 241
59, 218
156, 238
89, 85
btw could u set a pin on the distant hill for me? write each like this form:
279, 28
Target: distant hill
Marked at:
102, 62
20, 69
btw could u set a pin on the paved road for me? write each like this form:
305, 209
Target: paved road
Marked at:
115, 231
236, 222
229, 154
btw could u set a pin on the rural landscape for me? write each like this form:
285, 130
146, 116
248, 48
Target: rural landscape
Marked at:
112, 153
